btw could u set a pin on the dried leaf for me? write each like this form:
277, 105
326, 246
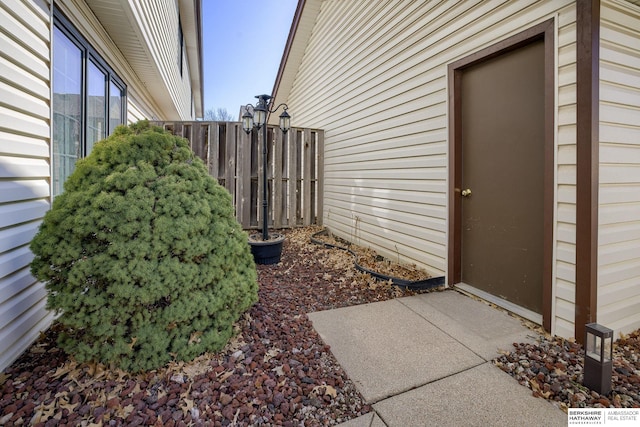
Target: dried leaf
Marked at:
69, 406
534, 385
195, 337
271, 354
96, 370
325, 390
136, 390
224, 375
3, 378
44, 412
124, 412
187, 405
64, 369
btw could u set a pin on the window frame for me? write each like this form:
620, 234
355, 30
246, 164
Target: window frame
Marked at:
180, 46
88, 55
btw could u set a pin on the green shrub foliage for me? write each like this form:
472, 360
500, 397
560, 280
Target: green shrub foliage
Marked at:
142, 256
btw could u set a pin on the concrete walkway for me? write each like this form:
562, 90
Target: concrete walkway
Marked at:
425, 360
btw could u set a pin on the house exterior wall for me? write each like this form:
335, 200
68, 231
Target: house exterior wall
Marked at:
374, 77
25, 143
24, 168
619, 189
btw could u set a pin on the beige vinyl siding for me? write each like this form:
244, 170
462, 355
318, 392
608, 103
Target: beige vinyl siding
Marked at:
619, 192
24, 168
135, 112
161, 99
374, 76
563, 306
158, 20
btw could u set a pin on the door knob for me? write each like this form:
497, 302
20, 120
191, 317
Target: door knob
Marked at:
466, 192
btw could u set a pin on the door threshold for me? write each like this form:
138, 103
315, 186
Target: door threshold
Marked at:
509, 306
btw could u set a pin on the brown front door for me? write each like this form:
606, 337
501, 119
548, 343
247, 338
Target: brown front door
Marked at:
502, 115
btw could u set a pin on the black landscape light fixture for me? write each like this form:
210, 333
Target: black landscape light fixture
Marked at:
257, 120
598, 358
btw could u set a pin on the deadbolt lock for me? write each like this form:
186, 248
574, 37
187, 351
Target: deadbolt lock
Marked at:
466, 192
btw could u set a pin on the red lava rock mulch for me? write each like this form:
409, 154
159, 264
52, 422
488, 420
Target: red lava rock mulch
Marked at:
276, 370
553, 369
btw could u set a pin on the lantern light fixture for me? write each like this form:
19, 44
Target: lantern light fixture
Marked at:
247, 120
598, 358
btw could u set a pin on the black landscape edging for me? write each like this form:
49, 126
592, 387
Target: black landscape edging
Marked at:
415, 285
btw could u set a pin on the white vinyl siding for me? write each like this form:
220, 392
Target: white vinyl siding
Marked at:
24, 169
619, 192
374, 77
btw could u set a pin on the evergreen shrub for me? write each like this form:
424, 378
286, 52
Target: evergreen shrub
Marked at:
142, 256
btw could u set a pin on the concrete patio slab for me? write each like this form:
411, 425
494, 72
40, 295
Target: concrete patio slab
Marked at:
386, 348
368, 420
480, 327
481, 396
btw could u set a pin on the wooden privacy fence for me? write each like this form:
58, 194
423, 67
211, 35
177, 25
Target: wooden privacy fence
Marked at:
295, 164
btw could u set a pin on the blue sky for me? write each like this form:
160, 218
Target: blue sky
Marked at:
243, 42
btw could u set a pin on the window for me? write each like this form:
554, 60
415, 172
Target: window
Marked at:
116, 110
96, 108
88, 100
67, 107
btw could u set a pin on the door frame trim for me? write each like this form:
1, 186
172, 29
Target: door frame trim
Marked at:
543, 31
587, 163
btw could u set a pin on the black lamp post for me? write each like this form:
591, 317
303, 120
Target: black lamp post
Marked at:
258, 120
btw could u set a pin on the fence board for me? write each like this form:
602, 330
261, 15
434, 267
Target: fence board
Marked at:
259, 176
230, 142
306, 197
295, 170
280, 140
319, 177
293, 178
214, 143
243, 195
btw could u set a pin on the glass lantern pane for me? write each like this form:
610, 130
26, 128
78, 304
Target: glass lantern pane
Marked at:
593, 347
259, 117
247, 123
607, 348
285, 123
